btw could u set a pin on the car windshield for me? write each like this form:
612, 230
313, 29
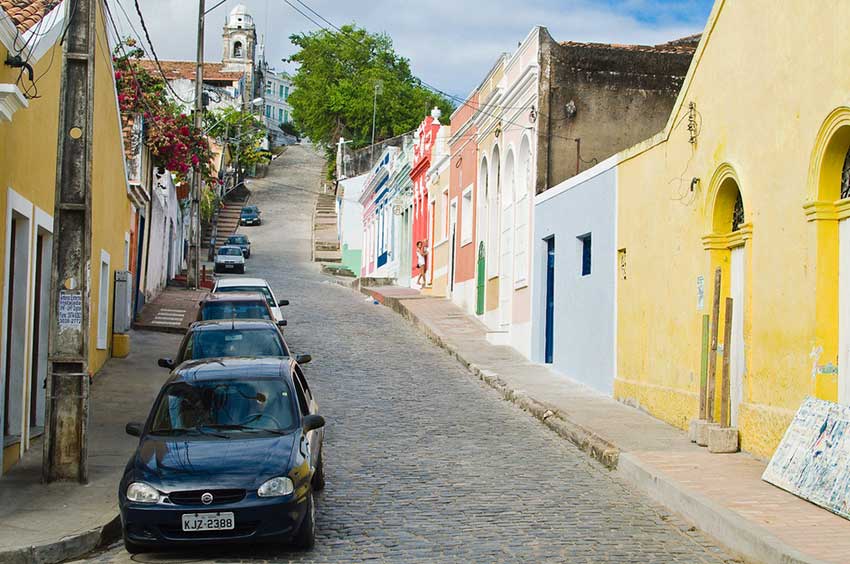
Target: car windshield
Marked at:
264, 290
249, 211
230, 251
244, 406
237, 239
235, 310
219, 343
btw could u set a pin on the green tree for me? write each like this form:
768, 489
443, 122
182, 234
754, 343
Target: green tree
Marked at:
335, 86
242, 131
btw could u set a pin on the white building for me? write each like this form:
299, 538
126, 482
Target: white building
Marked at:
277, 110
574, 277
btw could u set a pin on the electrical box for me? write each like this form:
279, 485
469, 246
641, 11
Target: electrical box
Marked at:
122, 317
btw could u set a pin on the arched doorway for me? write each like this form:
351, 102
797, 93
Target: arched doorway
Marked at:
483, 217
727, 247
506, 245
828, 213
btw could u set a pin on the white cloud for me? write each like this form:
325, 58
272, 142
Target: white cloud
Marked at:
450, 44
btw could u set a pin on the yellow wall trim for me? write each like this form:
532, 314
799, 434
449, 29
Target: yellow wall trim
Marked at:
718, 241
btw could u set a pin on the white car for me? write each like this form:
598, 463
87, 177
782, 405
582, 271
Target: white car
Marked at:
229, 258
257, 285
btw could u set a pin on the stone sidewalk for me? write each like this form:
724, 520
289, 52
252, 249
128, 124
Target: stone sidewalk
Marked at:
171, 312
722, 494
51, 523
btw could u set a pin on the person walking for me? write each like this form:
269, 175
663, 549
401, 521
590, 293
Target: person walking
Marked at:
421, 262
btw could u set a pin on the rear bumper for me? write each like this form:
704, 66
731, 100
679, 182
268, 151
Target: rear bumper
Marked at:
267, 520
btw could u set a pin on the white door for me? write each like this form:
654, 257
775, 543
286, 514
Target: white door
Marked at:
736, 360
453, 243
844, 312
506, 279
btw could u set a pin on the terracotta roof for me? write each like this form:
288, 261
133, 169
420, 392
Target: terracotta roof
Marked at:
684, 45
186, 69
27, 13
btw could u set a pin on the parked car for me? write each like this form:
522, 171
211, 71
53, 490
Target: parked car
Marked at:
250, 216
234, 305
230, 452
229, 259
242, 242
229, 338
223, 285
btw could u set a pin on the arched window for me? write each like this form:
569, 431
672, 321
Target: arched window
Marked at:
738, 213
237, 50
845, 177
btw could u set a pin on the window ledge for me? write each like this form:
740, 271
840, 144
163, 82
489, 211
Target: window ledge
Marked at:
465, 243
11, 100
11, 440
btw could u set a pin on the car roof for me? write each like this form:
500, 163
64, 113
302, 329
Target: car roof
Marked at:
235, 297
228, 324
229, 282
231, 368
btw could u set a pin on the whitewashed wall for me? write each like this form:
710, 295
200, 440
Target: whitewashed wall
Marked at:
585, 306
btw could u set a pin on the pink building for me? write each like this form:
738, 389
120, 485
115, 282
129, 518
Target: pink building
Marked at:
423, 143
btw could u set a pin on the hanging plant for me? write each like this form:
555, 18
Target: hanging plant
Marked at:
174, 141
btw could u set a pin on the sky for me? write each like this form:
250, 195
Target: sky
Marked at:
451, 44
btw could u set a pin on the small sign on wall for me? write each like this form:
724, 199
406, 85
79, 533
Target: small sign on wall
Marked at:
70, 310
700, 293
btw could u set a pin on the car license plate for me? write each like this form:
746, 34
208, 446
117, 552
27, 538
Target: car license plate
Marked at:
208, 521
228, 266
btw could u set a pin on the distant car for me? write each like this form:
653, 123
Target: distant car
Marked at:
250, 216
230, 452
223, 285
229, 258
242, 242
227, 338
234, 305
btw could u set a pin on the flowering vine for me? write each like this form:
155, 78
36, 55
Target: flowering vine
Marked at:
174, 141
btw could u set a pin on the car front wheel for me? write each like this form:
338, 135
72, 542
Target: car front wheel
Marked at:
242, 269
305, 538
319, 474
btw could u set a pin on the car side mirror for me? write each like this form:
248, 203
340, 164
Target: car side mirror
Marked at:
283, 303
166, 363
133, 429
281, 323
312, 422
303, 358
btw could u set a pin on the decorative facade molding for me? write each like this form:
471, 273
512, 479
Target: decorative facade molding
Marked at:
11, 100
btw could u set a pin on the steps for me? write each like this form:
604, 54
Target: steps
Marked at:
325, 236
228, 222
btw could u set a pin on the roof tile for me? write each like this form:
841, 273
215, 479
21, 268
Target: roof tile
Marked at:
174, 70
27, 13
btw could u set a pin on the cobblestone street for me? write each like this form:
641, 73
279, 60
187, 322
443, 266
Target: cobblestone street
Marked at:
423, 462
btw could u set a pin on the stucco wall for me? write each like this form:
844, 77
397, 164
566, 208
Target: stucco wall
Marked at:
766, 91
584, 305
351, 222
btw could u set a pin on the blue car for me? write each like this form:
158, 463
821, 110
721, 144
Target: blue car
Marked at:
250, 216
231, 452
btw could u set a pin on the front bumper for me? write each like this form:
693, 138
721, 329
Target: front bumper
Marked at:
256, 520
249, 221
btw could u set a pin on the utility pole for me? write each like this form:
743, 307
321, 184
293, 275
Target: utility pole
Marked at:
66, 428
193, 275
378, 88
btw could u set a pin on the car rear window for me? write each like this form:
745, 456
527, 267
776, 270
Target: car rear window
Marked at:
219, 343
244, 407
235, 310
259, 289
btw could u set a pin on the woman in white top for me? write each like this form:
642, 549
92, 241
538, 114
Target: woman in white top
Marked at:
421, 262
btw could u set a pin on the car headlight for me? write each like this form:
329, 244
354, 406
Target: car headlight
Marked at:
140, 492
276, 487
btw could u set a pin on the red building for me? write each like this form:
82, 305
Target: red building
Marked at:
426, 135
463, 194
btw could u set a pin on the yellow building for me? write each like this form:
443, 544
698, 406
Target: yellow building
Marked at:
29, 120
438, 202
746, 177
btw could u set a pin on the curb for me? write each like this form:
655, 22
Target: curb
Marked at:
159, 328
586, 440
740, 536
66, 548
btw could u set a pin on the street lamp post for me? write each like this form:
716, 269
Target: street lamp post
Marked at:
378, 88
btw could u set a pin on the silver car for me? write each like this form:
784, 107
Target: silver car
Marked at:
230, 259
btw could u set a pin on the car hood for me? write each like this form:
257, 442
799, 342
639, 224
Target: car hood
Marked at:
195, 463
229, 258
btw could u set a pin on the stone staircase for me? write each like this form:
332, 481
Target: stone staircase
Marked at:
227, 222
325, 236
